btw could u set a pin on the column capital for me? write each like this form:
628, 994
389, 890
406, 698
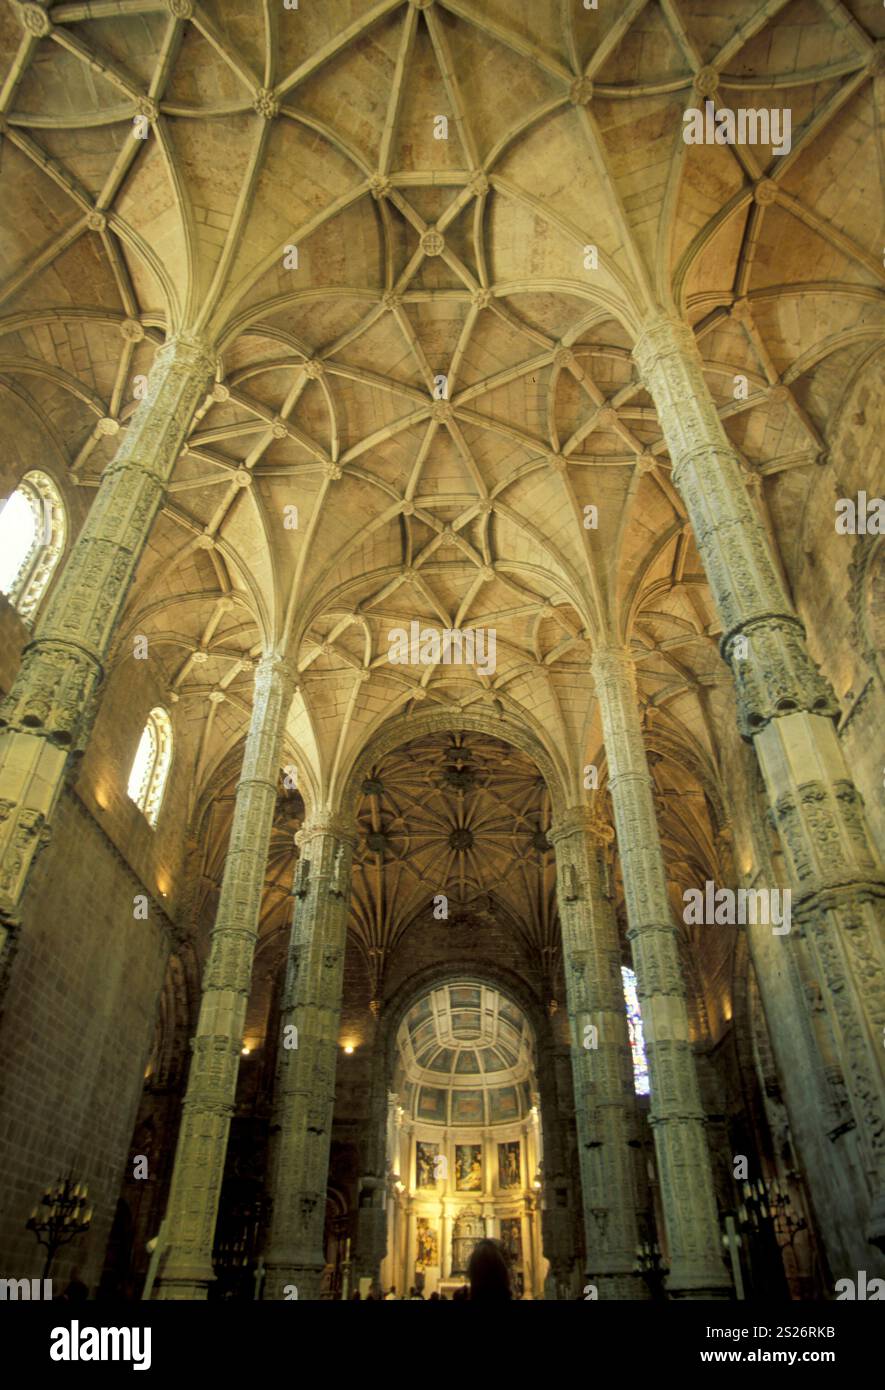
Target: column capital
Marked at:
612, 661
274, 666
332, 824
661, 333
186, 349
581, 820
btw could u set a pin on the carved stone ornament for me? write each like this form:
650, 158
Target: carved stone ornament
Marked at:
380, 186
433, 243
706, 81
265, 103
34, 20
132, 330
765, 193
774, 674
51, 692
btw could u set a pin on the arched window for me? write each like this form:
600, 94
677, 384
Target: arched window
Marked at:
150, 766
33, 527
634, 1024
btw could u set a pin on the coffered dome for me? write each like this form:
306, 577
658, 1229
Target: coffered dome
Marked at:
465, 1057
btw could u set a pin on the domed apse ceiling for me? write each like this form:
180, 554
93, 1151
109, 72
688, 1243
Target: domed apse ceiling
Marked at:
465, 1057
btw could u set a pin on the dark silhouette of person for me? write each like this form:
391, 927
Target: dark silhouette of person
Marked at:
488, 1273
76, 1291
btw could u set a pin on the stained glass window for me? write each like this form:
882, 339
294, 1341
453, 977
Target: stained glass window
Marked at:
33, 528
634, 1024
150, 766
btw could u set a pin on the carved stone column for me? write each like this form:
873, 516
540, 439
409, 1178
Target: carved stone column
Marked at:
787, 708
601, 1061
305, 1089
371, 1235
371, 1232
677, 1113
212, 1082
48, 714
810, 1081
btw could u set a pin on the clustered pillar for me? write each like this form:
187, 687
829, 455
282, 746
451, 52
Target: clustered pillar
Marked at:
605, 1103
787, 709
677, 1113
48, 715
211, 1089
308, 1056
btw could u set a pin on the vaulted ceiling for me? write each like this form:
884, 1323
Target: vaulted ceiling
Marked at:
421, 237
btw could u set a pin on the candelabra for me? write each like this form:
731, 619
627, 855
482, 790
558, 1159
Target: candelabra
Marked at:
767, 1218
768, 1200
66, 1217
651, 1267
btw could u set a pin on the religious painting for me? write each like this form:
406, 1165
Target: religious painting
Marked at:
465, 996
504, 1104
468, 1168
511, 1239
442, 1061
508, 1164
422, 1010
426, 1164
466, 1025
432, 1104
467, 1108
510, 1012
427, 1244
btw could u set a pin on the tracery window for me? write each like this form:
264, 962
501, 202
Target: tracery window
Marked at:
33, 528
150, 766
634, 1024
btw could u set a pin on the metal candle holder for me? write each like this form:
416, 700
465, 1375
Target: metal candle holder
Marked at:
65, 1216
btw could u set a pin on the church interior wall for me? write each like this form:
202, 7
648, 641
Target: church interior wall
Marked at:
75, 1048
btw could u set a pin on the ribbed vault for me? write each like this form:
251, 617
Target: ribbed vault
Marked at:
424, 375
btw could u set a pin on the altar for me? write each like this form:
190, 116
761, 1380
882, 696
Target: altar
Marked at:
447, 1288
469, 1228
